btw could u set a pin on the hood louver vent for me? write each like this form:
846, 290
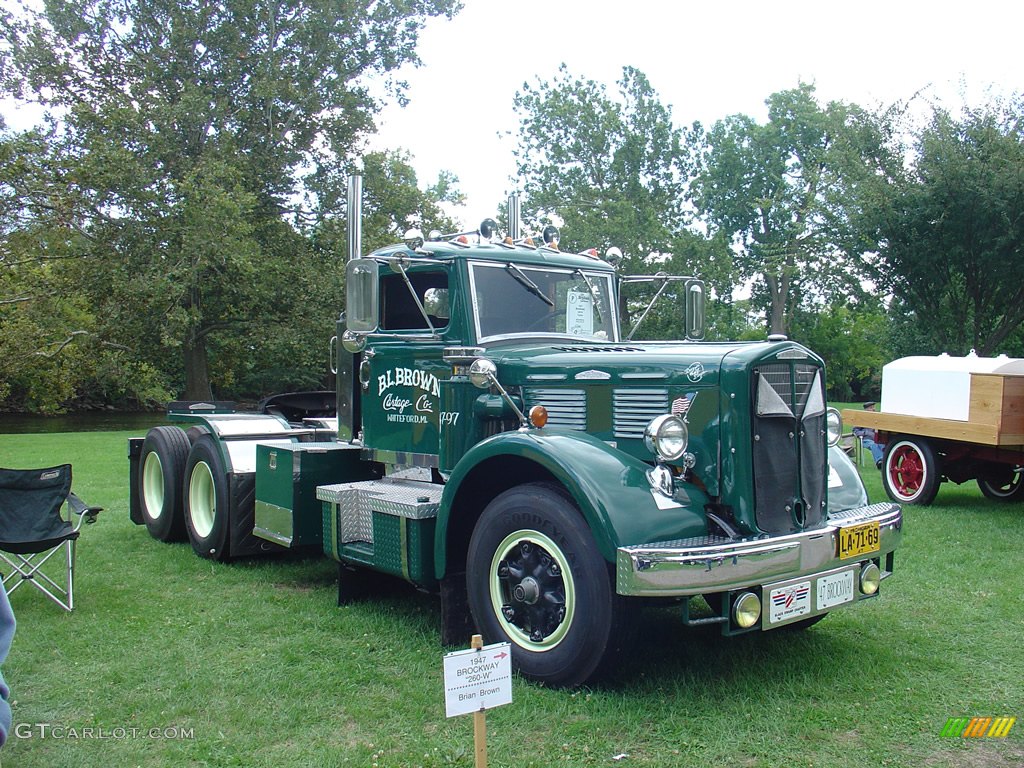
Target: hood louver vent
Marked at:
567, 408
633, 409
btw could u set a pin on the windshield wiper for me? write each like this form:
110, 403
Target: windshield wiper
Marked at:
664, 284
527, 283
593, 292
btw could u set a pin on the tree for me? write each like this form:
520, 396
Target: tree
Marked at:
609, 169
952, 231
52, 350
786, 194
854, 338
190, 139
613, 172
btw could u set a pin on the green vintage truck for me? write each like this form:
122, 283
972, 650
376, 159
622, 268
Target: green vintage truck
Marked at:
497, 439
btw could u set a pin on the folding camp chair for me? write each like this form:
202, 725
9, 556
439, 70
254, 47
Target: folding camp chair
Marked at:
32, 529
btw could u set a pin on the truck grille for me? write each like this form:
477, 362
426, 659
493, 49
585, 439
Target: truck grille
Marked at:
633, 409
784, 379
567, 408
788, 446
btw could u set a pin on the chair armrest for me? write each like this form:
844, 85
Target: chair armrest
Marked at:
79, 507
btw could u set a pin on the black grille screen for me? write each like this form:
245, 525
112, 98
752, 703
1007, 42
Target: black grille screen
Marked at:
788, 446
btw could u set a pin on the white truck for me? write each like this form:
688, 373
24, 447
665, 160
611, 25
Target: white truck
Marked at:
949, 418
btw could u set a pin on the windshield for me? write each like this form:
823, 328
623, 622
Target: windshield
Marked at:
515, 299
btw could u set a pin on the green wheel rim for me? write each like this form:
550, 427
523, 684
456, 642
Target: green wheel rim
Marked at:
202, 499
532, 591
153, 486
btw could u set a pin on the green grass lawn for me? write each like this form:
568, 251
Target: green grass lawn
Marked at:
255, 665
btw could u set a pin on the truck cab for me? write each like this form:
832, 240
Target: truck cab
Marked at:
501, 440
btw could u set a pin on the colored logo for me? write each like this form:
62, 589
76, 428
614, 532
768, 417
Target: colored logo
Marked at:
978, 727
682, 404
786, 598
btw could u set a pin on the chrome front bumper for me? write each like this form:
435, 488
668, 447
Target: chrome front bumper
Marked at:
716, 564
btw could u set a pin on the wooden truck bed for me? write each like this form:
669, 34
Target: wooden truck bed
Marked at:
996, 415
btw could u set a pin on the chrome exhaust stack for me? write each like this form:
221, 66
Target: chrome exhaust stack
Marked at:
514, 216
354, 210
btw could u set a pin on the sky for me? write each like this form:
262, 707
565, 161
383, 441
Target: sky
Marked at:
706, 60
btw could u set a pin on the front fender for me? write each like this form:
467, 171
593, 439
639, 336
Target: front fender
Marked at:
609, 487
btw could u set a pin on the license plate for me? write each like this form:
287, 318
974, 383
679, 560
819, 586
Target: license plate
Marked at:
859, 540
835, 589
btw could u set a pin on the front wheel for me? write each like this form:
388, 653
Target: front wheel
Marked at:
1003, 483
535, 579
206, 500
910, 471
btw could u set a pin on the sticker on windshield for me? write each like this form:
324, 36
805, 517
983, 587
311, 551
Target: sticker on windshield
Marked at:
579, 313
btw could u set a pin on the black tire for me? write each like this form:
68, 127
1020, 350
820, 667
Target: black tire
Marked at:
911, 471
535, 578
206, 500
1003, 482
161, 469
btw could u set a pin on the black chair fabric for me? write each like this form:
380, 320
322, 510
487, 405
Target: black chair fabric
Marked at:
30, 509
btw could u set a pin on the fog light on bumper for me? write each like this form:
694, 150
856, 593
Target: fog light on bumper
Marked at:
870, 578
746, 610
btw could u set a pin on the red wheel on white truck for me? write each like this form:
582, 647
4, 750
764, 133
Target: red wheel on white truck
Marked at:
161, 469
910, 471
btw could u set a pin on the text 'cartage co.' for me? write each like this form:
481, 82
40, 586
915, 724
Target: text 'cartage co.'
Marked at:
420, 404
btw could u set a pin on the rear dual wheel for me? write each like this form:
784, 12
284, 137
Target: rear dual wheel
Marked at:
206, 500
161, 468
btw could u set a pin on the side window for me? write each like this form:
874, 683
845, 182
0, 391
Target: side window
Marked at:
398, 308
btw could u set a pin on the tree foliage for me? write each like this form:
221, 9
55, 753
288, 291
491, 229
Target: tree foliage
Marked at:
608, 168
612, 170
952, 232
190, 143
855, 340
786, 194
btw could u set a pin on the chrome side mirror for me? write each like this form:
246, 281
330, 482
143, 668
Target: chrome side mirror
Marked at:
695, 309
361, 296
483, 373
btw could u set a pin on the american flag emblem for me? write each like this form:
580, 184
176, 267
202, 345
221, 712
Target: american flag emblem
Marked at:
681, 405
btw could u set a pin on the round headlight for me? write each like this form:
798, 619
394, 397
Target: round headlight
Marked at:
834, 425
746, 610
666, 437
870, 578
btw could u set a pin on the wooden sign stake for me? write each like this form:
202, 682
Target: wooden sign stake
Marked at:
479, 720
